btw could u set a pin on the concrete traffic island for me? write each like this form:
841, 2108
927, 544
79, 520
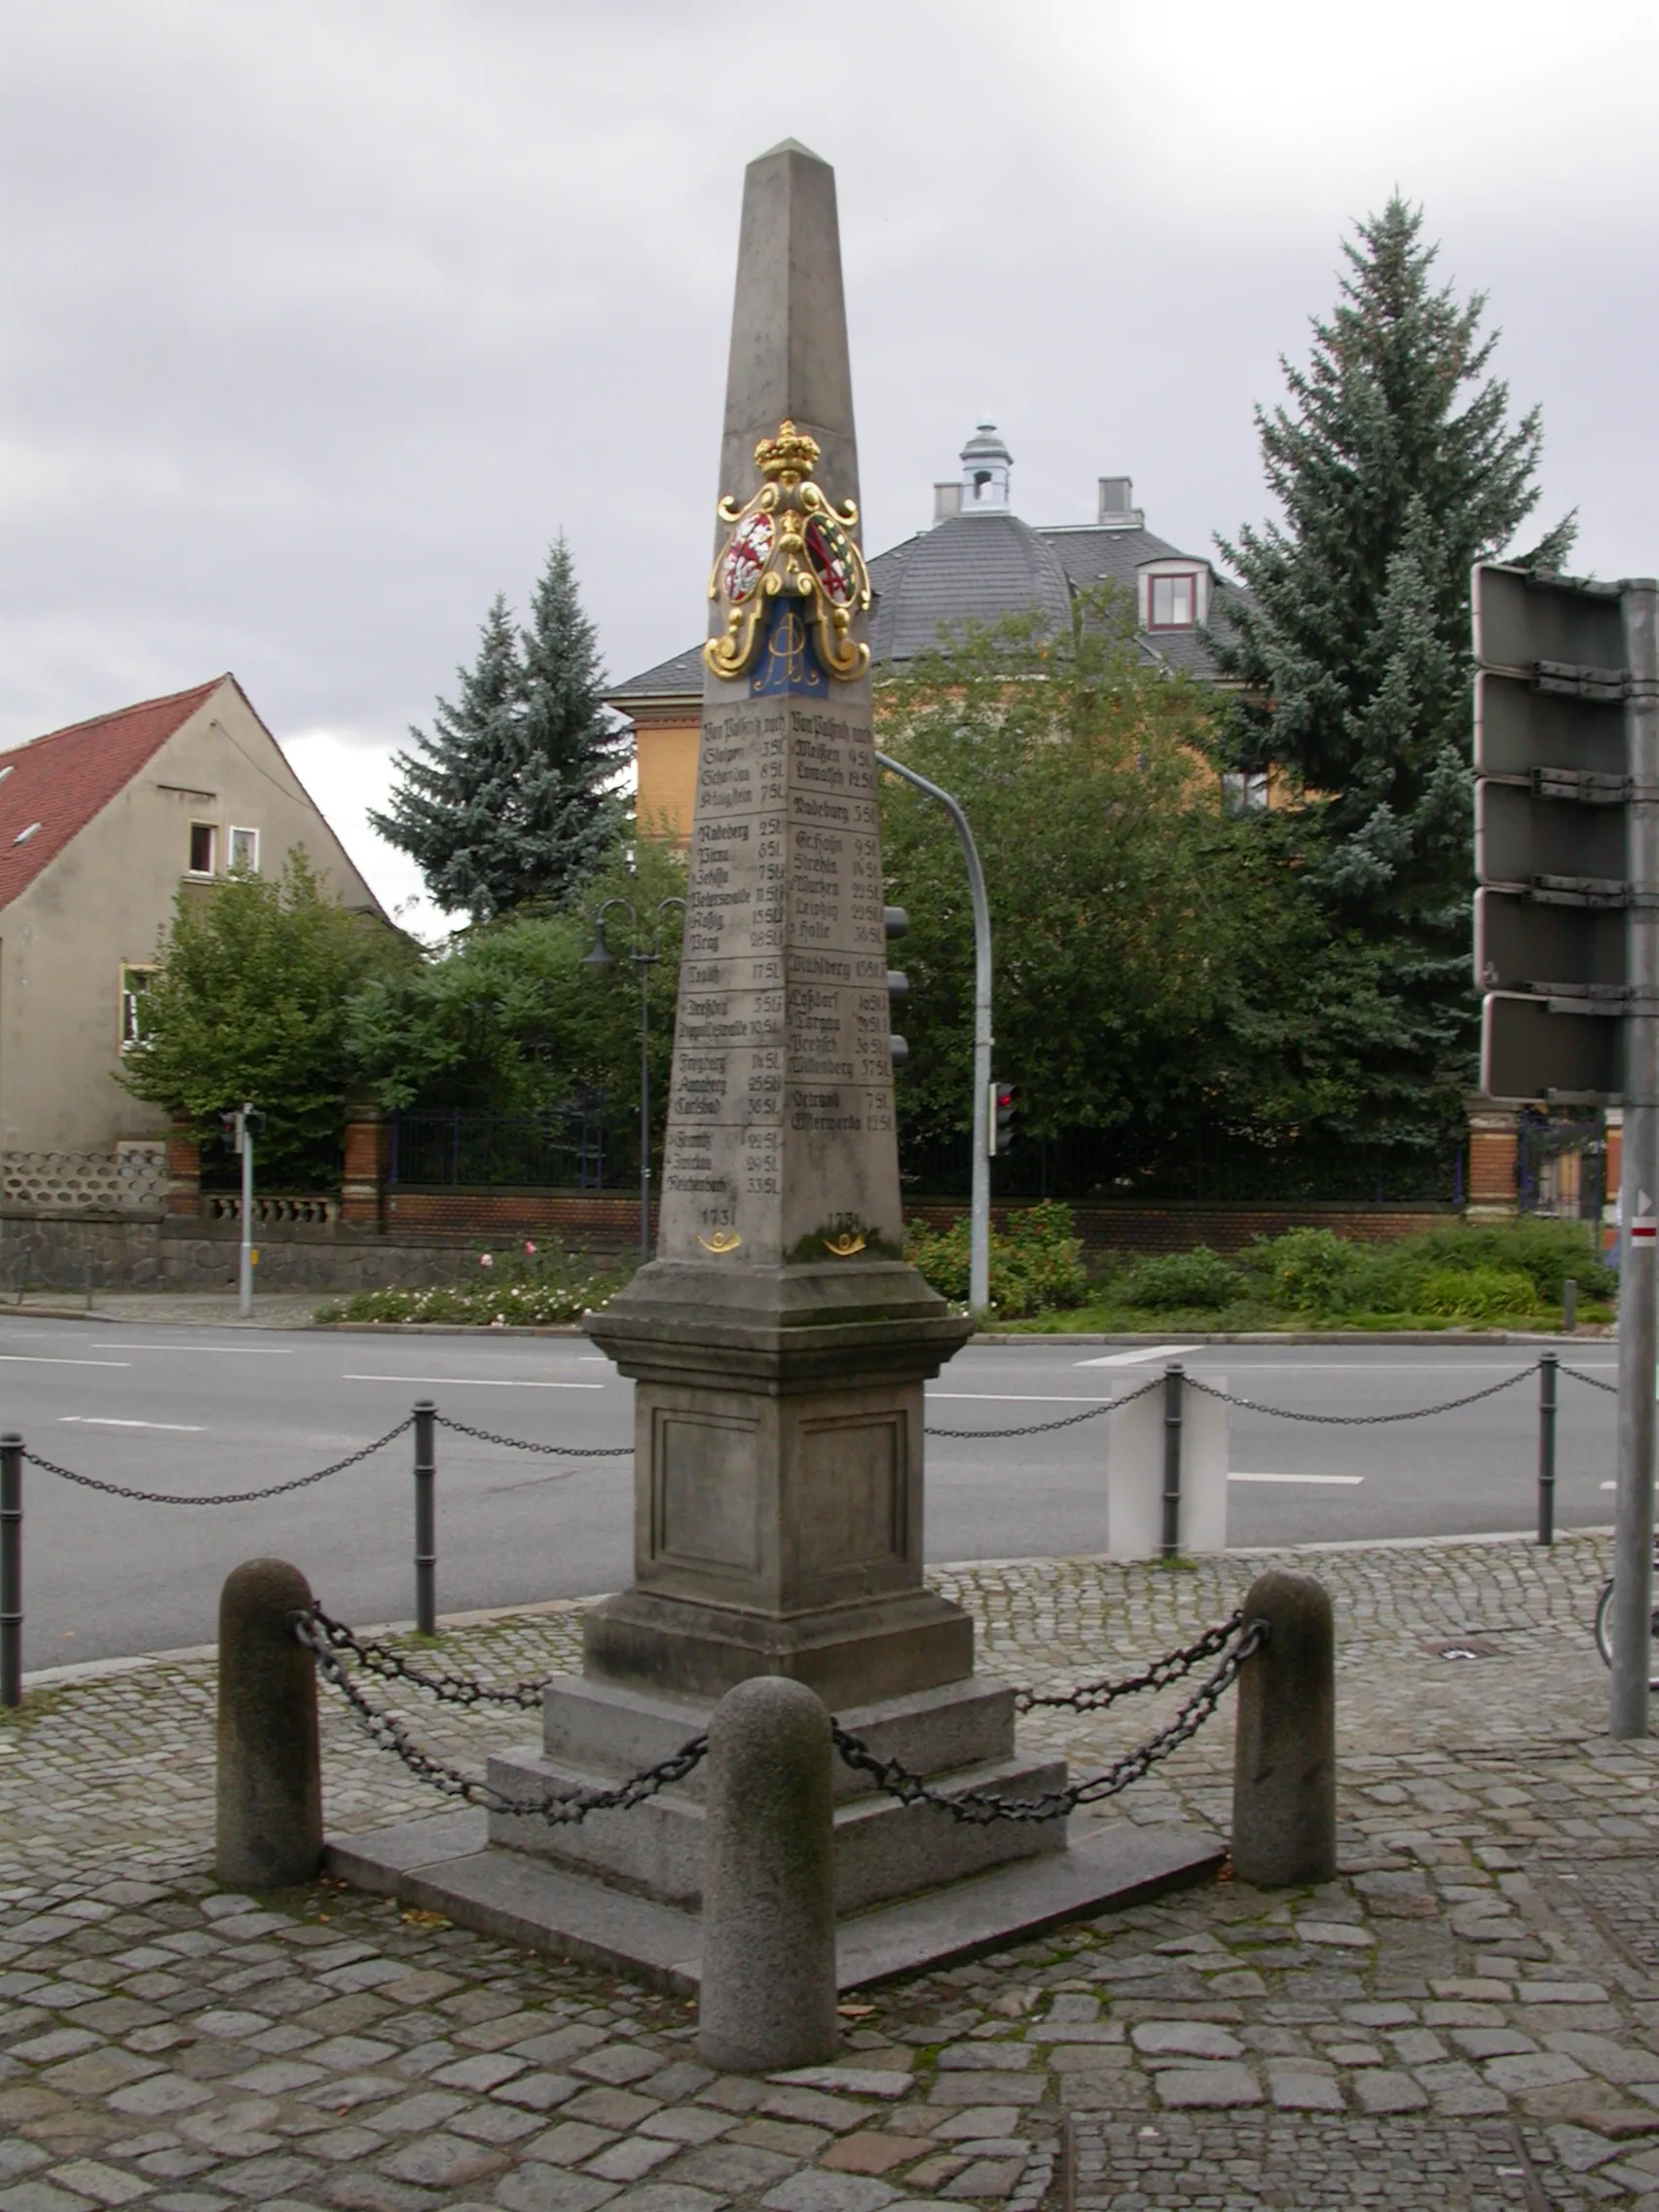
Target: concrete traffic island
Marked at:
778, 1342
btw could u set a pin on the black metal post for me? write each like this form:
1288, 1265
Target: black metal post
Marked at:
11, 1569
426, 1518
1547, 1367
1569, 1307
1174, 1381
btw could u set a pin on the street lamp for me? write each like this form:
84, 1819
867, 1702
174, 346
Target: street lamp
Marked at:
984, 1131
643, 962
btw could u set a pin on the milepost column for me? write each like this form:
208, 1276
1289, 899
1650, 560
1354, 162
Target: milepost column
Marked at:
778, 1341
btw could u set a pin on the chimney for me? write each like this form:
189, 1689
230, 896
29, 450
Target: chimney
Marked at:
1118, 510
947, 500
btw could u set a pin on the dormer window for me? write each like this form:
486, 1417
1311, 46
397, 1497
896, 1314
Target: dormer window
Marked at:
1174, 593
1172, 602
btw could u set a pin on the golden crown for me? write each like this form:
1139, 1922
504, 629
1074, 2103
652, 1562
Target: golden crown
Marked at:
792, 453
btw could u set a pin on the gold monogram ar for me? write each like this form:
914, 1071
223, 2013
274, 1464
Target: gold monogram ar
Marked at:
788, 541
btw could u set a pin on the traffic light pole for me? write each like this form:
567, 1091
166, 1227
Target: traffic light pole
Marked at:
244, 1254
980, 1203
1638, 1182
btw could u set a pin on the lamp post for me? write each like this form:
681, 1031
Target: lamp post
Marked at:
985, 1134
643, 962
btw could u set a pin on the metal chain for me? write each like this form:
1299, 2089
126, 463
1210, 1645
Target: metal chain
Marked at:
1594, 1381
522, 1443
1068, 1421
558, 1808
1363, 1421
222, 1497
452, 1689
978, 1808
1094, 1697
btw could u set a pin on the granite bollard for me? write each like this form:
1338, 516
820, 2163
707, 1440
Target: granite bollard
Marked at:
767, 1996
1284, 1772
270, 1776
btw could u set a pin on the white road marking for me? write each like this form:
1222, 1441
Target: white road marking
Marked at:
1130, 1359
96, 1421
1346, 1482
40, 1359
1610, 1486
471, 1383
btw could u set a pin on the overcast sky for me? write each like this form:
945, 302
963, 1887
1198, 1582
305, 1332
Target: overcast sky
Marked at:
321, 317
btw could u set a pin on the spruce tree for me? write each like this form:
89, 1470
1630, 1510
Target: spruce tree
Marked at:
572, 748
507, 800
1396, 467
458, 789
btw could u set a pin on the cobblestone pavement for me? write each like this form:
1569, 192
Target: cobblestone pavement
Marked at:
1468, 2018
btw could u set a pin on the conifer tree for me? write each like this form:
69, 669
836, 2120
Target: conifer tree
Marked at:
507, 801
1396, 467
572, 748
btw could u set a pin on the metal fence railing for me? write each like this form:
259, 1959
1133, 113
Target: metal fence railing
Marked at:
449, 1147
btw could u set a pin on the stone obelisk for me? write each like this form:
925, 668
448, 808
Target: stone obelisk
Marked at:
779, 1342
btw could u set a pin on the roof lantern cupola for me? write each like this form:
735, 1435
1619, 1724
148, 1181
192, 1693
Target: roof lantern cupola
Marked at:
982, 488
986, 463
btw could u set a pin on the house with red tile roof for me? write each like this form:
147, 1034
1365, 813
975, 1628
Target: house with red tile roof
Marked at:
99, 826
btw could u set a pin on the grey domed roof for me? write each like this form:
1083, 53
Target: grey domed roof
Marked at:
972, 568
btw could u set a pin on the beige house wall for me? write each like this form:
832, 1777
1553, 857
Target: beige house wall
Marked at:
103, 902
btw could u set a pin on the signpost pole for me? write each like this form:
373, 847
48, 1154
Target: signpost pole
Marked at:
245, 1253
1639, 1189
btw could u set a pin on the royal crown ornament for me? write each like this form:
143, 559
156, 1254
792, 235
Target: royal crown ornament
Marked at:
789, 544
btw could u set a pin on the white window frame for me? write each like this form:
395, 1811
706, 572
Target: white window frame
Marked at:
130, 1034
231, 861
212, 868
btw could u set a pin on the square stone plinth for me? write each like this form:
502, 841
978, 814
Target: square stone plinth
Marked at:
960, 1738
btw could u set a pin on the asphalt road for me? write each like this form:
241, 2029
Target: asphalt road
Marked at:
196, 1410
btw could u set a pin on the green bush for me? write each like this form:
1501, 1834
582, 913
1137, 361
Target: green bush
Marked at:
533, 1290
1475, 1294
1546, 1250
1036, 1260
1197, 1278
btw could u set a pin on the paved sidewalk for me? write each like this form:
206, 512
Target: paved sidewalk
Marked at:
1468, 2018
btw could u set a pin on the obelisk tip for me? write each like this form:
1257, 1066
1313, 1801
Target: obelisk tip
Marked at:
790, 146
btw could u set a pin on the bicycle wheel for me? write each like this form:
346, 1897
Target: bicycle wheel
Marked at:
1604, 1635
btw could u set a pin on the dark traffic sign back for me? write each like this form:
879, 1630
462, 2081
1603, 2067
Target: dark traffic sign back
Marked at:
1550, 832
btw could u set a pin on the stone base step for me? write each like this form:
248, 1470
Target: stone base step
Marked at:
445, 1864
883, 1849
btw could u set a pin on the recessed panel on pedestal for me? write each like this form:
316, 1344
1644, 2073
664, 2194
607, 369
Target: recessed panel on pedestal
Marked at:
707, 1491
851, 1486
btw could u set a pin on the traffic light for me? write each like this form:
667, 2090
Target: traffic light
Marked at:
239, 1122
999, 1122
896, 922
1552, 793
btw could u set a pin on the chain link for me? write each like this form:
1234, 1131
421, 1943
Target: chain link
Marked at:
1593, 1381
1067, 1420
1094, 1697
558, 1808
452, 1689
1363, 1421
221, 1497
978, 1808
522, 1443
